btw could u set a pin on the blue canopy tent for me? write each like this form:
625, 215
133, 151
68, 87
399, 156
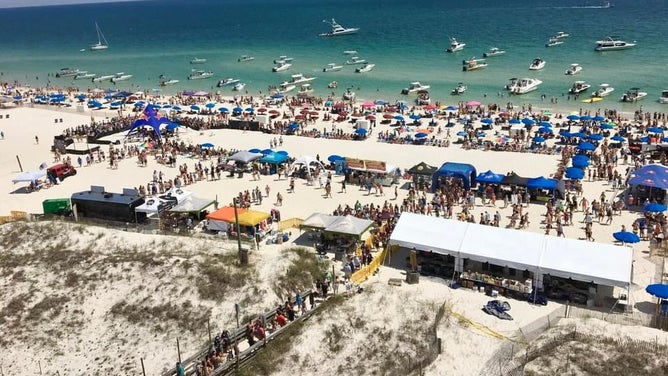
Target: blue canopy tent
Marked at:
557, 187
153, 121
653, 175
463, 171
274, 158
490, 177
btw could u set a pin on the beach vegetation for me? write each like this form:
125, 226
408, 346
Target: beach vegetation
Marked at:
303, 270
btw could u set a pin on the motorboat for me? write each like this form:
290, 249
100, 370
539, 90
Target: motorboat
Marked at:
612, 44
227, 81
350, 52
526, 85
459, 89
473, 64
101, 41
367, 67
633, 95
240, 86
121, 77
579, 87
422, 98
283, 59
664, 97
561, 35
455, 46
603, 91
414, 87
338, 30
84, 75
168, 82
349, 95
306, 90
573, 69
107, 77
199, 74
333, 85
299, 78
493, 52
553, 42
512, 83
286, 87
355, 60
197, 61
281, 66
68, 72
537, 64
332, 67
245, 59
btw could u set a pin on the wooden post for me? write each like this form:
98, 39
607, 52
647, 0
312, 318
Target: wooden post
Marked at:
143, 371
208, 328
178, 349
19, 160
236, 312
40, 366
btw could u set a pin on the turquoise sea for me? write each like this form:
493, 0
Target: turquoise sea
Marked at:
406, 40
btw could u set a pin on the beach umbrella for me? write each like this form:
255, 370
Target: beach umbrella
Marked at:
267, 151
655, 130
473, 103
451, 108
277, 96
333, 158
565, 133
598, 118
606, 126
380, 102
545, 124
644, 139
415, 116
586, 146
176, 108
250, 109
369, 104
282, 152
573, 117
360, 131
171, 126
579, 135
293, 127
486, 121
300, 117
528, 121
237, 109
194, 107
370, 117
481, 134
462, 134
544, 130
538, 139
617, 138
206, 145
585, 118
399, 117
595, 137
388, 116
626, 237
262, 109
514, 121
580, 161
654, 207
421, 135
255, 150
574, 173
210, 105
274, 112
224, 110
658, 289
430, 107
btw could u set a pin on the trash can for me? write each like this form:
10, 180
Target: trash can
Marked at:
57, 206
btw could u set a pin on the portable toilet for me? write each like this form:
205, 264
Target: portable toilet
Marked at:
57, 206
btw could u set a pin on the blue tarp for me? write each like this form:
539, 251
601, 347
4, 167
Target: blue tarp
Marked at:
463, 171
653, 175
490, 177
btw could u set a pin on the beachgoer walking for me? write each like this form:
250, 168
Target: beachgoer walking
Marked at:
396, 192
36, 140
343, 185
279, 199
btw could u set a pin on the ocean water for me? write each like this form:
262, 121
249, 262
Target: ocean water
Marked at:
406, 40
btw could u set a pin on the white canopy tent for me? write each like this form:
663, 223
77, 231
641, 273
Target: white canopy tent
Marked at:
318, 221
154, 205
604, 264
29, 176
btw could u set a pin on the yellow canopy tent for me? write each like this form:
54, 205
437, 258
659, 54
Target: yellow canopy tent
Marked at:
252, 217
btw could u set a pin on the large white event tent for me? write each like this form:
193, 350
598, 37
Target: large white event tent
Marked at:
604, 264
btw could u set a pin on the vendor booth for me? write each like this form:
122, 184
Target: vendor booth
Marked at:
305, 166
543, 189
452, 170
378, 171
154, 206
194, 207
221, 219
421, 174
649, 183
511, 261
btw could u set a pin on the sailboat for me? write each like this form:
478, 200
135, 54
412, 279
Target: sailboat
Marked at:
101, 41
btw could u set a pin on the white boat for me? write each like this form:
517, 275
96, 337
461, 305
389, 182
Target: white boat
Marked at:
332, 67
197, 61
101, 41
355, 60
245, 59
68, 72
473, 64
459, 89
493, 52
121, 77
633, 95
227, 81
350, 52
664, 97
107, 77
367, 67
526, 85
299, 78
84, 75
337, 29
333, 85
553, 42
603, 91
560, 35
199, 74
422, 98
414, 87
537, 64
512, 83
579, 87
281, 66
573, 69
168, 82
306, 90
239, 86
612, 44
286, 87
349, 95
283, 59
455, 46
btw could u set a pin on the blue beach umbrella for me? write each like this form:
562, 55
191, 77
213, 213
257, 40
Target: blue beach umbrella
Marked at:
565, 133
486, 121
250, 109
545, 130
617, 138
606, 126
293, 127
237, 109
380, 102
528, 121
598, 118
282, 152
462, 134
267, 151
415, 116
658, 289
224, 110
595, 137
573, 117
210, 105
421, 135
333, 158
580, 161
655, 130
277, 96
194, 107
654, 207
545, 124
626, 237
579, 135
255, 150
451, 108
171, 126
206, 145
644, 139
399, 117
574, 173
361, 131
514, 121
481, 134
538, 139
586, 146
585, 118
